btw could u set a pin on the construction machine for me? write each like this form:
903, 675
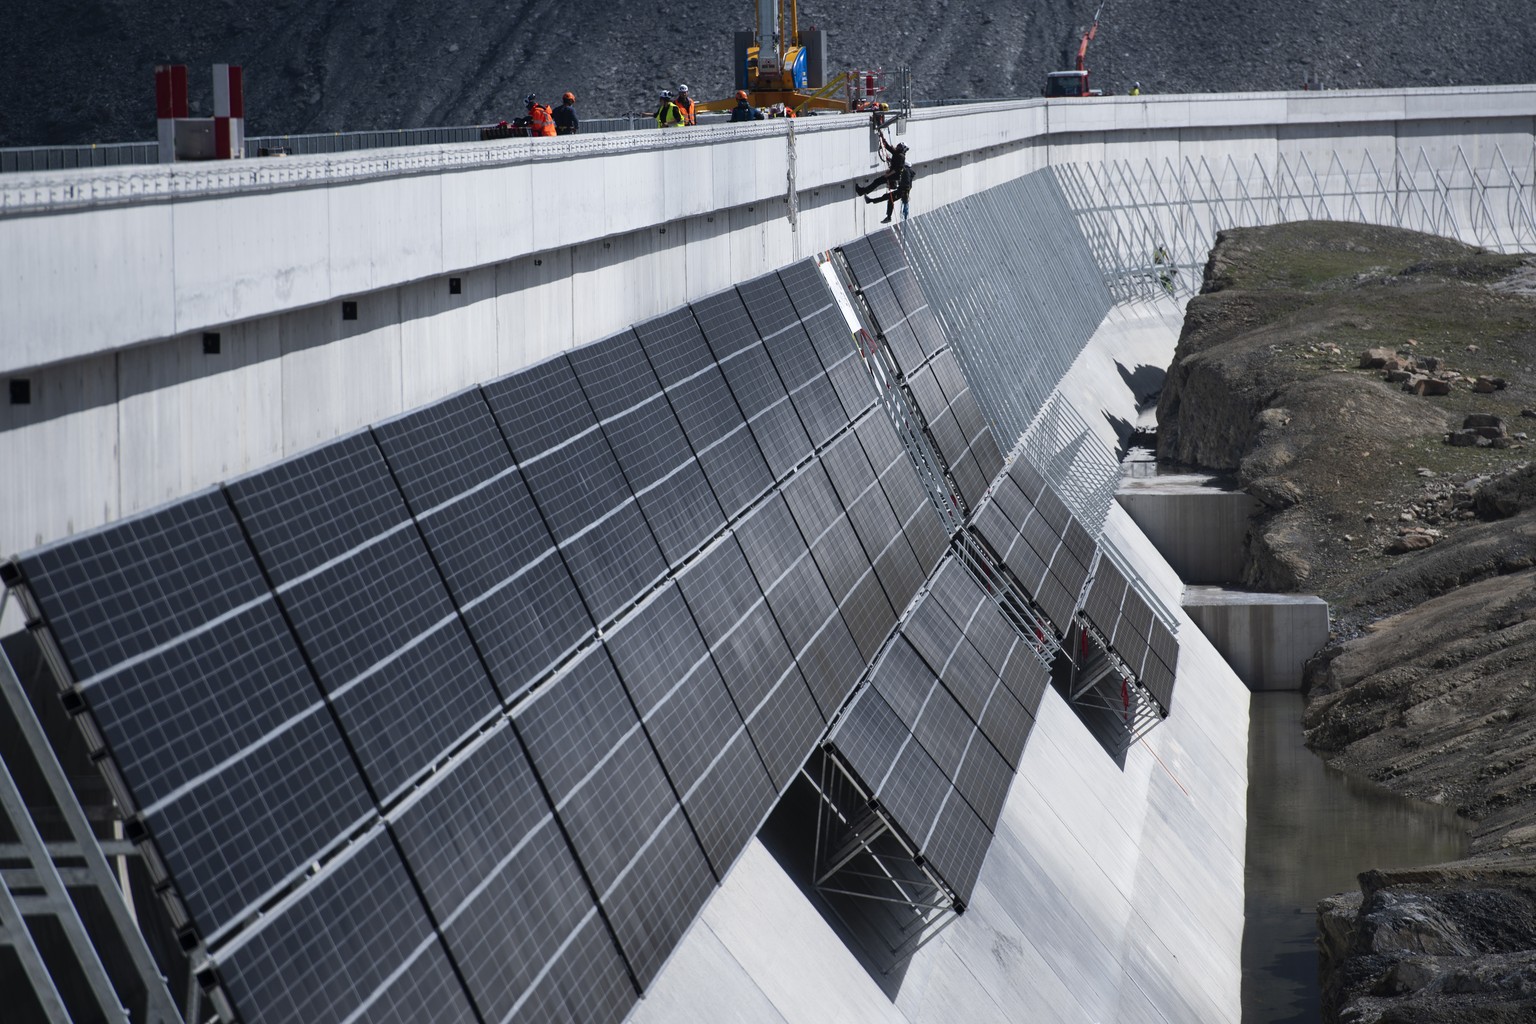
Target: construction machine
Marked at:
1075, 83
776, 62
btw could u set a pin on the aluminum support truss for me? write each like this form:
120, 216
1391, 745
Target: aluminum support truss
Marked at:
41, 887
1151, 225
1081, 467
870, 873
1021, 612
1100, 681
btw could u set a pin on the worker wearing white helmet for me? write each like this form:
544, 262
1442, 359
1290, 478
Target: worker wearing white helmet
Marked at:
667, 113
685, 106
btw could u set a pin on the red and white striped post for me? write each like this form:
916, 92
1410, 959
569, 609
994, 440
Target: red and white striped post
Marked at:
170, 103
228, 111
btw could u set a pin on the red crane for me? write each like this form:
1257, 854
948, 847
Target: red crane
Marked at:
1075, 83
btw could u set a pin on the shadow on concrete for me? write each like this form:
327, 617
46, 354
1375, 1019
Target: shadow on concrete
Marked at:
789, 835
1107, 727
1145, 383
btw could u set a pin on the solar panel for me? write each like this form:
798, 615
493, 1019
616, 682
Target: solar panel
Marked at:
1138, 614
719, 434
719, 588
848, 469
841, 559
1011, 501
1025, 677
375, 622
801, 603
806, 288
727, 327
947, 437
933, 634
926, 393
812, 500
771, 541
924, 706
958, 846
768, 304
497, 557
1041, 537
615, 375
785, 726
925, 325
1164, 645
623, 818
694, 725
1104, 597
860, 254
768, 409
601, 530
1057, 603
957, 593
753, 658
994, 528
898, 571
354, 943
1080, 542
991, 634
852, 383
667, 481
1053, 509
869, 737
1025, 565
946, 371
881, 445
915, 791
674, 345
1068, 572
831, 664
1028, 478
969, 678
969, 479
984, 775
539, 407
868, 614
1006, 724
503, 885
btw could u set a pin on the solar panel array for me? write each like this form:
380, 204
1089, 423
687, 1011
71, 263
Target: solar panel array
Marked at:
1136, 635
937, 735
946, 409
383, 657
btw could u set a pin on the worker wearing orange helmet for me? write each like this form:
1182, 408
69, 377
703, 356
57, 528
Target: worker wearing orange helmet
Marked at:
744, 111
566, 121
541, 120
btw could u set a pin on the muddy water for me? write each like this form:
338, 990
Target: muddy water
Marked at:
1311, 831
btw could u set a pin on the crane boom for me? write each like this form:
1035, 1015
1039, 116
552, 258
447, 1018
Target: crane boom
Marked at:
1082, 47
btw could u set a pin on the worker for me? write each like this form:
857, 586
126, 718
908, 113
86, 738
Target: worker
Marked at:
900, 188
541, 120
685, 106
896, 161
1135, 89
667, 114
744, 111
566, 121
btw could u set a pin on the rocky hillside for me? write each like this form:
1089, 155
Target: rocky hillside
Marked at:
82, 71
1374, 388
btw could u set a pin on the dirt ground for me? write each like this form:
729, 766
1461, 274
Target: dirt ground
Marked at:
1424, 549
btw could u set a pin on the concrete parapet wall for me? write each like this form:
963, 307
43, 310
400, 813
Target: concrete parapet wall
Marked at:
1197, 526
1266, 638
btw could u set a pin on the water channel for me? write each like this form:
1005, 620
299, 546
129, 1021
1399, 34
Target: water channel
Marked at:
1311, 831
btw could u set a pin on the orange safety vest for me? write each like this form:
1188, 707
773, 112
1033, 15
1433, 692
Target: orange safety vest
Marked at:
541, 120
686, 109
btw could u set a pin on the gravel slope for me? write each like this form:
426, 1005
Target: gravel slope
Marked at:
82, 72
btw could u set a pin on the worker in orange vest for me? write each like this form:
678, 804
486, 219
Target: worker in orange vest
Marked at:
685, 105
541, 120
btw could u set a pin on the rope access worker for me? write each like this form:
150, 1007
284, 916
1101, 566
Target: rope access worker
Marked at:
900, 189
1135, 89
541, 120
667, 114
685, 106
743, 110
566, 121
896, 162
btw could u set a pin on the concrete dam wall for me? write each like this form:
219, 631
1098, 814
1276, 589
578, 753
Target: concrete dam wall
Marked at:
632, 665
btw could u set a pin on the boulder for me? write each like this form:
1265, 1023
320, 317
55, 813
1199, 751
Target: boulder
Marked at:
1428, 386
1411, 540
1462, 438
1484, 386
1398, 376
1430, 363
1485, 424
1376, 358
